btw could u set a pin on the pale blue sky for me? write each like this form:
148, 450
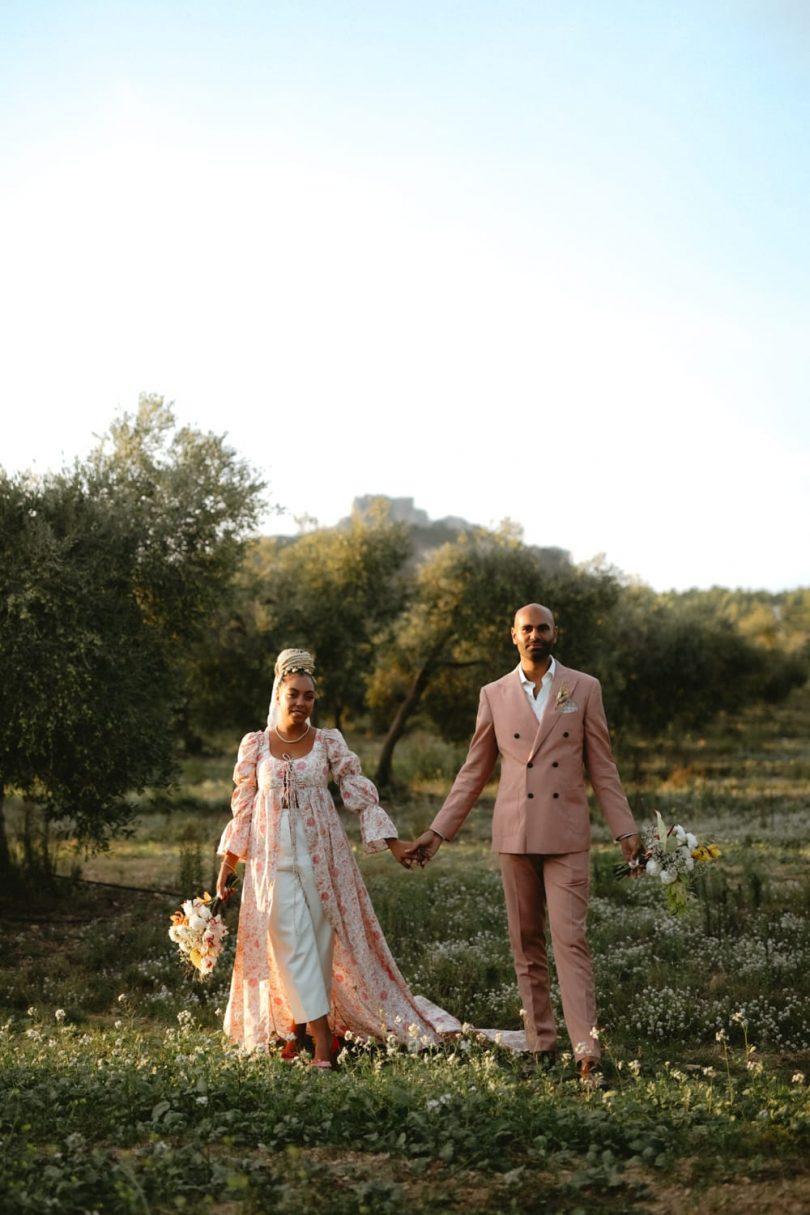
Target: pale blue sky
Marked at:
545, 261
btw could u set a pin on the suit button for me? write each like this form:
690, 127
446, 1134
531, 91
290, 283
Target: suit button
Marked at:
532, 795
565, 733
554, 764
555, 795
530, 765
517, 736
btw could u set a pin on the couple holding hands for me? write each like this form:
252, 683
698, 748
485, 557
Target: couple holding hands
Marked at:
310, 951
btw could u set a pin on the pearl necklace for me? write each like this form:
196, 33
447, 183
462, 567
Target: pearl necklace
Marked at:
292, 740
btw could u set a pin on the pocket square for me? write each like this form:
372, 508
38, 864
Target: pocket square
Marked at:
569, 707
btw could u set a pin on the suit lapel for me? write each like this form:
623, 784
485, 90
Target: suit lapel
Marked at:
551, 714
519, 708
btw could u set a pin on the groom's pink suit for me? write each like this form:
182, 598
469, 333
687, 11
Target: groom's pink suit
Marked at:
541, 829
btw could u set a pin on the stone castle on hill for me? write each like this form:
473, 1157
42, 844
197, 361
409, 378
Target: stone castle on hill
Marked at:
402, 510
427, 533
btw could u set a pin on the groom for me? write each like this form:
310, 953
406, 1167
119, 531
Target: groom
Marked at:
546, 722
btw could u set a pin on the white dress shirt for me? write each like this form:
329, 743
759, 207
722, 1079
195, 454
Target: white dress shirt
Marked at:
539, 701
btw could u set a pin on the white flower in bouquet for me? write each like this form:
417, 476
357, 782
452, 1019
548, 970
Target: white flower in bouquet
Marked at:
198, 931
672, 855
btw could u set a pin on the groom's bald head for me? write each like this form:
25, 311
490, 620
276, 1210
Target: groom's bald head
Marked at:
532, 609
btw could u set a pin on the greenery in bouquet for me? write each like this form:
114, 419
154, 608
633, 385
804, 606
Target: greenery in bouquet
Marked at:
672, 855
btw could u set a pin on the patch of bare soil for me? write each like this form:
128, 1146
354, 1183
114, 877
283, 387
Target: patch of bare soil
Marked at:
744, 1197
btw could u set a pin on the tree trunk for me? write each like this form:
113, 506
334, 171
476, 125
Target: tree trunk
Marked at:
5, 856
397, 728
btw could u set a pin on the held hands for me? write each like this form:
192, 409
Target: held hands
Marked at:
425, 848
419, 852
402, 851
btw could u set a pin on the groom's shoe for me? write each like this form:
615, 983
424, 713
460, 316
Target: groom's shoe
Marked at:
590, 1073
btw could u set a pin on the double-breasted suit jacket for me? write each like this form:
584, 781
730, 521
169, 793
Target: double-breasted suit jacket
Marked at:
542, 804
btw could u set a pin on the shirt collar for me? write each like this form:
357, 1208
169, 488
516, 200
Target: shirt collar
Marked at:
549, 675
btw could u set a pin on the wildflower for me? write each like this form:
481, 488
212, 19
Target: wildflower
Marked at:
797, 1078
59, 1015
721, 1036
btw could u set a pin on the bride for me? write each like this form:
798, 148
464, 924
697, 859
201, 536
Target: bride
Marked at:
309, 950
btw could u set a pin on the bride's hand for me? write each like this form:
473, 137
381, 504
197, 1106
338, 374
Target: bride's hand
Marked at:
401, 849
224, 891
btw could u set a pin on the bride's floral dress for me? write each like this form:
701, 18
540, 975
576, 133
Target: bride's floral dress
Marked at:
368, 994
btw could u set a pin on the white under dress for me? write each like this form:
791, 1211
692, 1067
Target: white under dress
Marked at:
309, 942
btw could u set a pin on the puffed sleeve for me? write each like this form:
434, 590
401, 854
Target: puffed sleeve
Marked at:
358, 793
236, 836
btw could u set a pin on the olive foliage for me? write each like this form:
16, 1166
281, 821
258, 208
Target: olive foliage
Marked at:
107, 573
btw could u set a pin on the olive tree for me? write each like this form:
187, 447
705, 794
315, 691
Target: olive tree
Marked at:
108, 571
455, 632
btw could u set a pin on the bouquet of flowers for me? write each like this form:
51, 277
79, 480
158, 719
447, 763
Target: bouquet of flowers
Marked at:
198, 930
671, 854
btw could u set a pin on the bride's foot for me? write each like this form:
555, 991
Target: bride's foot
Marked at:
323, 1041
293, 1046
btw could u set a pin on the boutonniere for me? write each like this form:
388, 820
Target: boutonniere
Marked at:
563, 696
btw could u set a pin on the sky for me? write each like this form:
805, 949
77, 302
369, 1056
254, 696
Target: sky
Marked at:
528, 260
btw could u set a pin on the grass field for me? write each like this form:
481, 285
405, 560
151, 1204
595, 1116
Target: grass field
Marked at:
120, 1096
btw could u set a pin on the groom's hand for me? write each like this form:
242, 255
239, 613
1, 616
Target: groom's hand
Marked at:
631, 850
425, 847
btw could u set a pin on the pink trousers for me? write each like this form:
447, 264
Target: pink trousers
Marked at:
553, 887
